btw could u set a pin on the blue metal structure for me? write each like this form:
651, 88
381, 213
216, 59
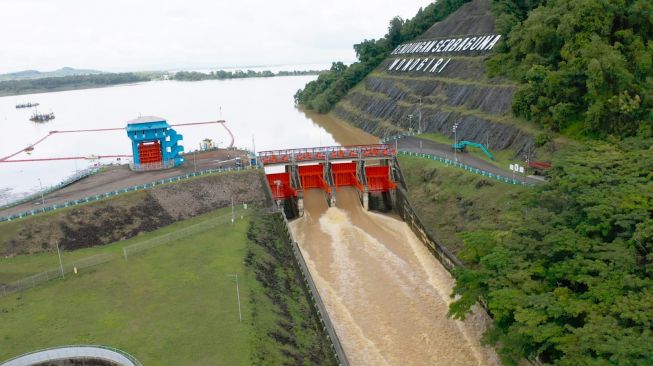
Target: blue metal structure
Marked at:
460, 146
154, 144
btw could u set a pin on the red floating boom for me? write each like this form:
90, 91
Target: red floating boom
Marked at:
31, 147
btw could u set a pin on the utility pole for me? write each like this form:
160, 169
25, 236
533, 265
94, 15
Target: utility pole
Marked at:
410, 122
60, 262
419, 123
41, 189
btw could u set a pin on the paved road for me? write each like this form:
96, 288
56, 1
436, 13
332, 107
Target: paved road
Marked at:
412, 144
120, 176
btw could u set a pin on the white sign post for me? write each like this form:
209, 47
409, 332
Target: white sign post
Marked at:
516, 168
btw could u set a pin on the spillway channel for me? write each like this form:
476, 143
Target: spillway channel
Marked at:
386, 294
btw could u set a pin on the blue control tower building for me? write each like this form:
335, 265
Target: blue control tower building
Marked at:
154, 144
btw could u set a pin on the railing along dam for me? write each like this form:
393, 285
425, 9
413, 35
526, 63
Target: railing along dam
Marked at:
385, 293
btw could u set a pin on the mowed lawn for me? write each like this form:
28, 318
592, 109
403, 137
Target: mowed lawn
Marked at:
174, 304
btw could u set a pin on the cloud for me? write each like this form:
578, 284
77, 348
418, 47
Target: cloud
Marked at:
136, 34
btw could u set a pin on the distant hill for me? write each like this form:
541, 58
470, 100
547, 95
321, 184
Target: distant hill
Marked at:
35, 74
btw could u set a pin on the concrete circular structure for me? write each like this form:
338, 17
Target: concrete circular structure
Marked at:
78, 352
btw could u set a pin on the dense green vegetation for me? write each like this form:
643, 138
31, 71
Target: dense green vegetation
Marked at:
295, 335
16, 87
569, 279
322, 94
238, 74
585, 65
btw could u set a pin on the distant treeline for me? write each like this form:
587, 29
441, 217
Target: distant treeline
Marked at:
322, 94
16, 87
238, 74
49, 84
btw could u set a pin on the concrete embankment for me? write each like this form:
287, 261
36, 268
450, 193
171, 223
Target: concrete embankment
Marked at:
127, 215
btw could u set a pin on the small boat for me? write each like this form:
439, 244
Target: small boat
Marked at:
26, 105
41, 117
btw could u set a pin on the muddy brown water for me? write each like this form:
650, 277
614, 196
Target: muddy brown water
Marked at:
387, 296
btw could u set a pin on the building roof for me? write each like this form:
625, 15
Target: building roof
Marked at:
145, 123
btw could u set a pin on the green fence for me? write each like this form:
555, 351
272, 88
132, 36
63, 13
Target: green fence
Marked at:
453, 163
466, 167
94, 260
70, 180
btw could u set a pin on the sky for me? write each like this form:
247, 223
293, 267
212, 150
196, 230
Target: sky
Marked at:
130, 35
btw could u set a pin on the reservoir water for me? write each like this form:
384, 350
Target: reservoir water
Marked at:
259, 109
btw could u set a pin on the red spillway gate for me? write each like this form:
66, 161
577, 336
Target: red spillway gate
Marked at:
280, 186
312, 176
150, 152
378, 178
344, 174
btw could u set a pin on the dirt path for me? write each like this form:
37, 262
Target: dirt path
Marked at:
117, 177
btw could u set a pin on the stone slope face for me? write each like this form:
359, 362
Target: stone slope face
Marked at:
444, 71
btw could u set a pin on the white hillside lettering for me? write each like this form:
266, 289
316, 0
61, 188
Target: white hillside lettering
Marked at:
421, 62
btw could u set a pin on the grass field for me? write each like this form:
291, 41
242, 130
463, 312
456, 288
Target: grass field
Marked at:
174, 304
16, 267
454, 203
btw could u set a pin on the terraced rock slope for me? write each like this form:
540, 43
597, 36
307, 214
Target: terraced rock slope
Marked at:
442, 76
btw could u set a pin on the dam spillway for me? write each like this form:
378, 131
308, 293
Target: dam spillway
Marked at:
386, 294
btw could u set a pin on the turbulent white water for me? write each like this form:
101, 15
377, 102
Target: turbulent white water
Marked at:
386, 294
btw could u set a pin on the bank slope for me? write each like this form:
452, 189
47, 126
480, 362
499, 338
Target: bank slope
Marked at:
441, 75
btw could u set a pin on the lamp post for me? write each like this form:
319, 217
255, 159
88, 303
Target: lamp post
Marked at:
419, 121
41, 189
455, 141
60, 262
